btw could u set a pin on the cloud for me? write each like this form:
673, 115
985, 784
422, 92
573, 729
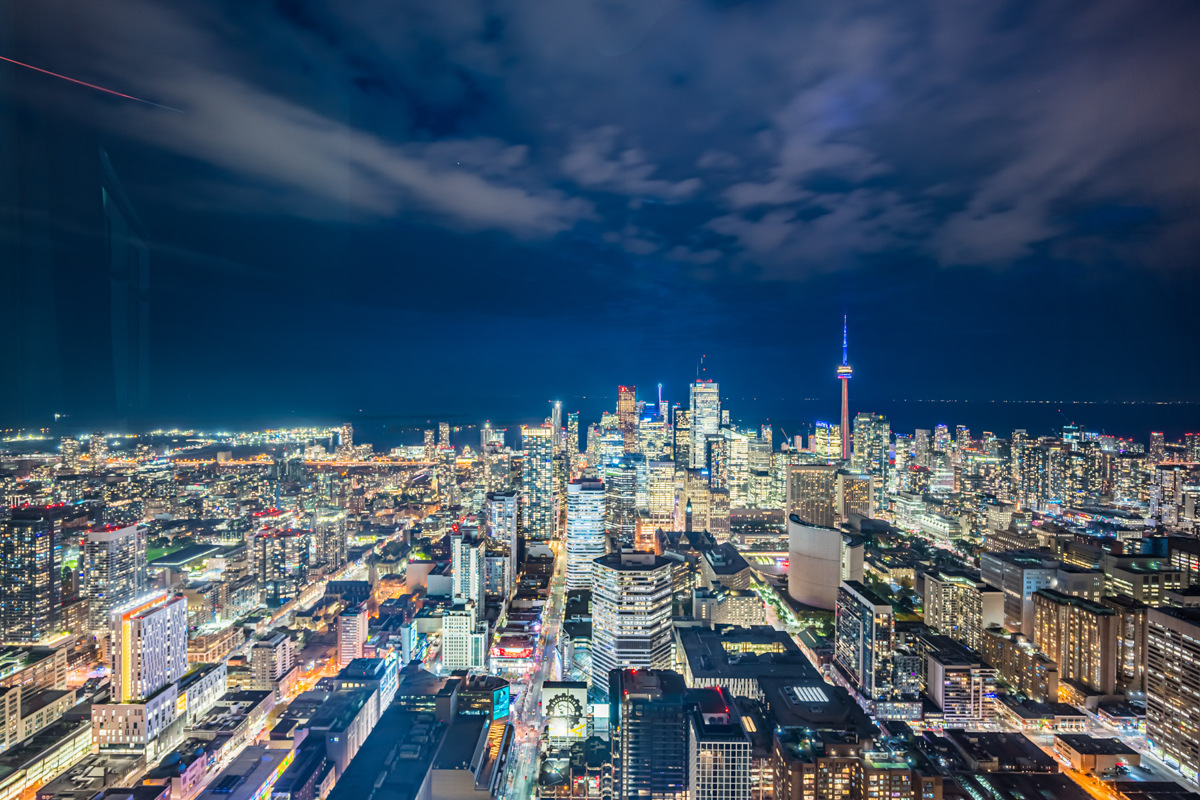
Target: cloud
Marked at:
801, 137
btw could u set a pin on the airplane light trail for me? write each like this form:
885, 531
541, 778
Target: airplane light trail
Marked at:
88, 85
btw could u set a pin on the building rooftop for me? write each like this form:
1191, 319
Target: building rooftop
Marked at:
1095, 746
814, 704
462, 737
186, 556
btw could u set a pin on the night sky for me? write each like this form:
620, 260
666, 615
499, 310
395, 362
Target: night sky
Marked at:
422, 207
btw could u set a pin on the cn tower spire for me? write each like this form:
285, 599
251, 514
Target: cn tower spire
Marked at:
843, 373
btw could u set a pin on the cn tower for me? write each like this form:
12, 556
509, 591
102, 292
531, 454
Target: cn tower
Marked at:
843, 373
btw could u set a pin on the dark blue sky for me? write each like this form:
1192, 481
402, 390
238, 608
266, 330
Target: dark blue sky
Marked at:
403, 207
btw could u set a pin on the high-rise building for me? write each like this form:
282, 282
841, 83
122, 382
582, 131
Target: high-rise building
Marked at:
812, 493
960, 605
464, 639
864, 640
573, 436
921, 446
1018, 574
328, 538
819, 559
620, 500
537, 482
941, 438
1080, 635
272, 658
627, 416
98, 450
444, 434
30, 576
660, 493
682, 429
556, 422
826, 440
631, 612
704, 419
844, 373
468, 563
586, 538
114, 570
1158, 448
872, 443
149, 645
718, 747
501, 513
282, 561
351, 633
1172, 686
649, 726
430, 446
69, 449
346, 437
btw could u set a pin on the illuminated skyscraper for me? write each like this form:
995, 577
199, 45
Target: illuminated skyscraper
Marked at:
537, 482
556, 424
430, 446
620, 500
627, 416
573, 436
872, 441
30, 575
468, 562
704, 418
826, 440
114, 570
864, 640
631, 613
502, 523
346, 436
682, 449
941, 438
586, 539
98, 451
149, 645
444, 434
282, 561
843, 373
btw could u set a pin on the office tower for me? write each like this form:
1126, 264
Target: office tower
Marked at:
1191, 448
872, 443
681, 450
864, 640
1172, 686
468, 564
1158, 448
941, 438
430, 446
351, 633
826, 440
620, 500
631, 612
855, 495
653, 437
537, 482
844, 372
464, 639
960, 605
718, 747
737, 468
1080, 635
328, 538
819, 559
660, 493
149, 645
812, 494
586, 538
627, 416
649, 715
30, 576
444, 434
98, 450
556, 423
704, 419
282, 561
501, 512
114, 570
573, 436
765, 434
921, 442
